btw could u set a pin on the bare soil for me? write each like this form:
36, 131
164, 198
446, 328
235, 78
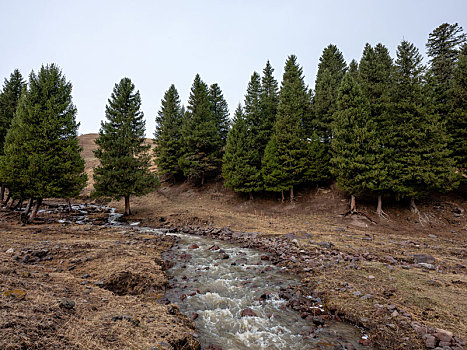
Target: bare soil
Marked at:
85, 287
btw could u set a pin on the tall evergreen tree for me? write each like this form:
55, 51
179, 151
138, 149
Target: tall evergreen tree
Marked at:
236, 169
167, 137
443, 48
9, 99
220, 111
331, 70
269, 100
254, 123
202, 144
354, 140
458, 113
123, 154
421, 160
375, 76
42, 155
353, 69
290, 141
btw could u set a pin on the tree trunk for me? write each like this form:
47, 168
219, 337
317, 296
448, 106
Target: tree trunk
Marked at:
2, 193
68, 203
28, 206
413, 207
283, 198
353, 206
291, 194
35, 209
127, 205
379, 208
7, 199
202, 180
11, 205
251, 196
19, 204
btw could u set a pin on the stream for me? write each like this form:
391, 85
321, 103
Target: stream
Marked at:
218, 281
235, 295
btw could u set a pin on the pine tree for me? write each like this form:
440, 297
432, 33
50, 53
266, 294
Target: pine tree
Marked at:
269, 100
220, 111
236, 169
331, 70
167, 137
443, 48
202, 144
123, 154
458, 112
353, 69
42, 155
274, 175
421, 161
9, 98
375, 77
354, 140
254, 123
290, 143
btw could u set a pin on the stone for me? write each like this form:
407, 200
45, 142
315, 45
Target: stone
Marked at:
248, 312
443, 335
430, 341
194, 316
67, 303
193, 246
427, 266
423, 258
15, 293
10, 251
87, 275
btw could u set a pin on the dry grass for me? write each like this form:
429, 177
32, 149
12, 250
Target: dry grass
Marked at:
117, 260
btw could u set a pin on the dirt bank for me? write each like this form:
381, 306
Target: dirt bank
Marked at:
85, 287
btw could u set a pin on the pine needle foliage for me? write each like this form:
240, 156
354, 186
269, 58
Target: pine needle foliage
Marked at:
123, 154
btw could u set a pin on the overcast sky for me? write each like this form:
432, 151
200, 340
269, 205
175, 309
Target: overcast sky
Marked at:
158, 43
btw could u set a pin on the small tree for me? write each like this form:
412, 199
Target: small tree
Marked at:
167, 137
42, 155
123, 154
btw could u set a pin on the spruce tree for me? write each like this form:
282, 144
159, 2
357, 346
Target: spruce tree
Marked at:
458, 112
274, 175
269, 100
254, 122
42, 155
443, 48
375, 77
331, 70
167, 137
354, 141
236, 168
220, 111
9, 98
421, 161
123, 154
202, 144
353, 69
290, 141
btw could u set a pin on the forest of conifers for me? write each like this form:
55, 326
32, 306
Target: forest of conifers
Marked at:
382, 126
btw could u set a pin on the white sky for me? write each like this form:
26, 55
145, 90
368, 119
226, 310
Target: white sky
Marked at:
157, 43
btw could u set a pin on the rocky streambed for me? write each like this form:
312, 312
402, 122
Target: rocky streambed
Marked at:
239, 299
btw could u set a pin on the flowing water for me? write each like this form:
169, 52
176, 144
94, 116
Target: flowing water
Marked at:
217, 284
